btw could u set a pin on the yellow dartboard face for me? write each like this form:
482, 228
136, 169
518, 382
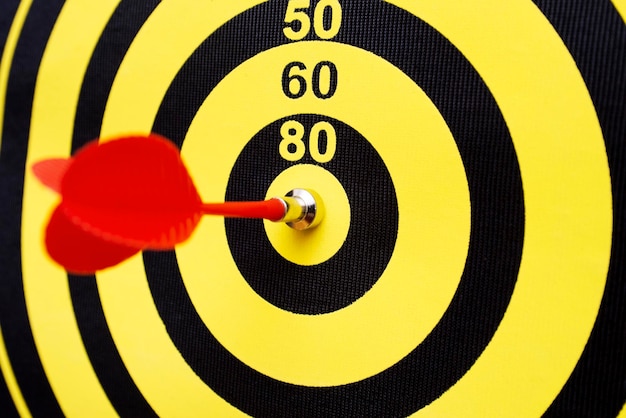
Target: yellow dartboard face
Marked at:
470, 156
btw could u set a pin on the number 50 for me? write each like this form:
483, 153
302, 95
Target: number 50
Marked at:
297, 12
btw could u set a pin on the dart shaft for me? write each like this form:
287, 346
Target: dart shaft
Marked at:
272, 209
300, 209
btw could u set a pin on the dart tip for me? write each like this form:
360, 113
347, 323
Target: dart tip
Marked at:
304, 209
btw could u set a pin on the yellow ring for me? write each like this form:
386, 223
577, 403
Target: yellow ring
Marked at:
387, 323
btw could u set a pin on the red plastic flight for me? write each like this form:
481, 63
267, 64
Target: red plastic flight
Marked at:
124, 196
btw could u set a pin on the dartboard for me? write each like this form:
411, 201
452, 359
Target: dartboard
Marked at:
470, 156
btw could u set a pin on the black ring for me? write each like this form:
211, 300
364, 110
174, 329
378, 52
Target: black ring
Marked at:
496, 236
362, 259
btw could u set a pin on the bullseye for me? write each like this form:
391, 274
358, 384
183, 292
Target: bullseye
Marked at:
312, 247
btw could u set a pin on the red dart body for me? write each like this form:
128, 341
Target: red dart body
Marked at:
127, 195
134, 191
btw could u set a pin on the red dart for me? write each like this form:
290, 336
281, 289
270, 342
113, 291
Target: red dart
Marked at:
126, 195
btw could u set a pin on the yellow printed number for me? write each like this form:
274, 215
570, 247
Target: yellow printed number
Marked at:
299, 22
293, 148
